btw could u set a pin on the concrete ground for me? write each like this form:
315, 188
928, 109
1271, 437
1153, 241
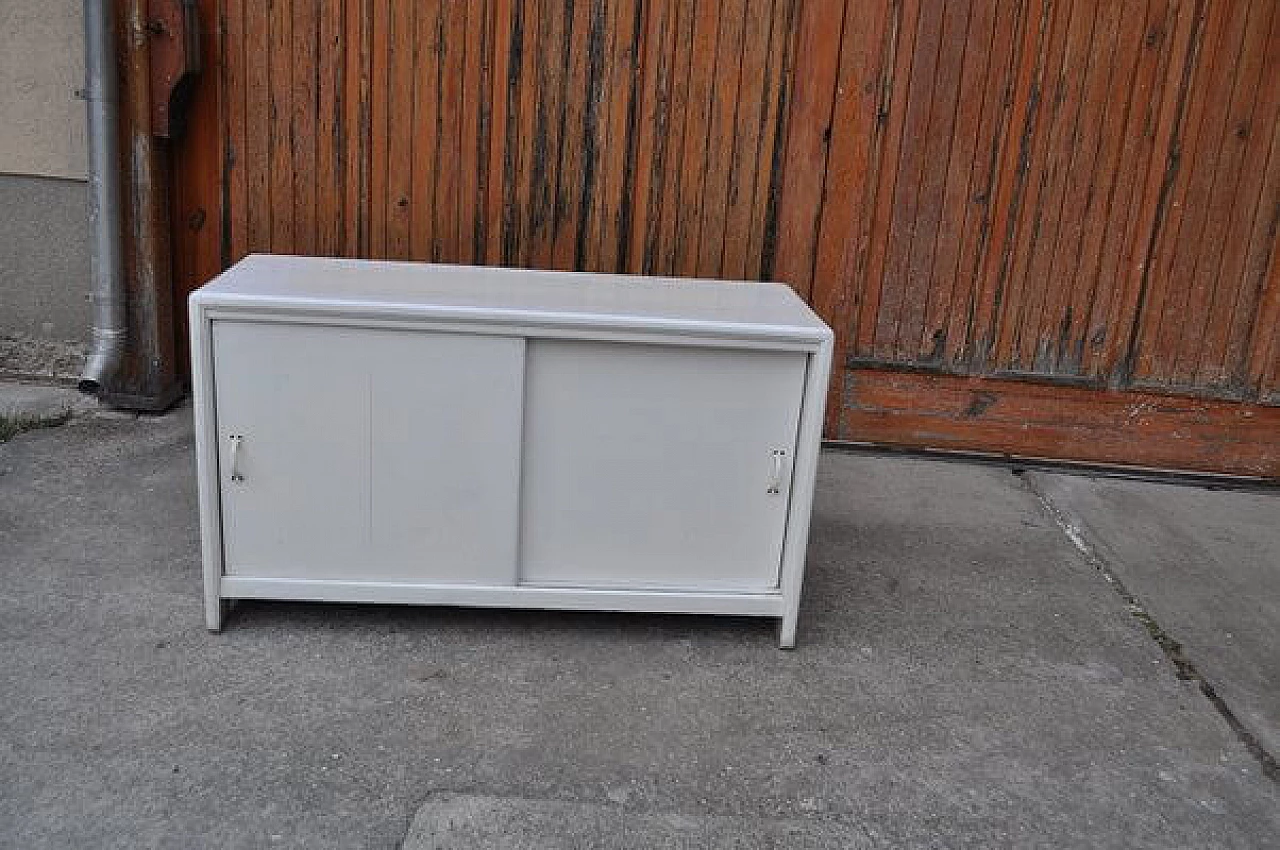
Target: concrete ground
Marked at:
969, 674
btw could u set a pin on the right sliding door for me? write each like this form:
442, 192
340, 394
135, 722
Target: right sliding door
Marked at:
656, 467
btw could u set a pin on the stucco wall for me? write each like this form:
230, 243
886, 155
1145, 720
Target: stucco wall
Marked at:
44, 256
41, 66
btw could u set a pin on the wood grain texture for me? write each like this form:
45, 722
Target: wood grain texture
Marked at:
1031, 420
1074, 192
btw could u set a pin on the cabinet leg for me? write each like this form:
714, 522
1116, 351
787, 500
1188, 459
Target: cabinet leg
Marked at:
787, 630
214, 609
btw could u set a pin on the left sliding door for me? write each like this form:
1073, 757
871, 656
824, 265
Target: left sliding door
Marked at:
364, 454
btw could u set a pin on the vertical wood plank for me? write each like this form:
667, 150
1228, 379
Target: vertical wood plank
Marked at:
400, 107
696, 131
553, 34
518, 247
1263, 266
912, 341
853, 173
356, 127
1008, 185
769, 174
951, 283
1252, 239
745, 154
1153, 115
500, 130
302, 128
576, 134
235, 111
653, 122
721, 133
892, 114
916, 81
1210, 96
329, 176
423, 240
379, 125
812, 96
1128, 45
1040, 330
474, 46
1042, 116
1203, 338
673, 171
256, 151
617, 149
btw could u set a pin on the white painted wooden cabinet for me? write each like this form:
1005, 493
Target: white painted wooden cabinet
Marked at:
456, 435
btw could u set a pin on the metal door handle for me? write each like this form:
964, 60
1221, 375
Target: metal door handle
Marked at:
776, 462
236, 440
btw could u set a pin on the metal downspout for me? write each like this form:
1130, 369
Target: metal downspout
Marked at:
108, 286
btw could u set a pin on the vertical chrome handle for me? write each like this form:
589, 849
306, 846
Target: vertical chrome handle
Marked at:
236, 440
777, 461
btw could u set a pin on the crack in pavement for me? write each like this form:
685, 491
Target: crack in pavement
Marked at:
1172, 648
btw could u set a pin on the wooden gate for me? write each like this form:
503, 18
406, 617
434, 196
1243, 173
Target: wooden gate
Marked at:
1040, 228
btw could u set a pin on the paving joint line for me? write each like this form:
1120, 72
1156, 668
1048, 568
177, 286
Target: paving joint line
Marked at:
1185, 668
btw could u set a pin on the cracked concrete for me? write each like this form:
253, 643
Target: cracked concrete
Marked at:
964, 678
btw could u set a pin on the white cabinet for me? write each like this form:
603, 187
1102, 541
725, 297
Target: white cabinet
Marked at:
410, 433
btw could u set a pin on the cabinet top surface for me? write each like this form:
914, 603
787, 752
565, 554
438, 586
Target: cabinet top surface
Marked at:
514, 296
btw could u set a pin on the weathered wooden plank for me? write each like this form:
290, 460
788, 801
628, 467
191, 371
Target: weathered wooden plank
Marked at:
356, 127
501, 130
196, 226
233, 68
721, 133
1011, 153
471, 81
663, 255
853, 173
706, 31
1212, 296
1152, 117
812, 95
652, 127
616, 137
1203, 155
911, 340
379, 125
1263, 266
1042, 329
302, 129
745, 153
401, 38
910, 170
574, 185
1159, 306
1229, 367
1043, 114
949, 288
1102, 208
518, 245
452, 56
762, 247
256, 148
553, 34
329, 176
1001, 54
1025, 419
896, 72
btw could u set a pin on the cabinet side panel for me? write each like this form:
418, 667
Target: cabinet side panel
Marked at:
650, 467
